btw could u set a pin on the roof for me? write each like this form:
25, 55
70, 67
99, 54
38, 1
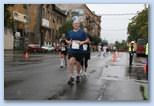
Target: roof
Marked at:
91, 11
60, 11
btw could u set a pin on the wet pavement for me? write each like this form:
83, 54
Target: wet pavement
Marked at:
137, 69
12, 58
40, 78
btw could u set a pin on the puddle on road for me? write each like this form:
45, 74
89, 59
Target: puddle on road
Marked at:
69, 92
64, 93
136, 73
57, 95
112, 76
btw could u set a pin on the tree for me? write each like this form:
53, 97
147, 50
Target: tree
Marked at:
104, 43
95, 40
67, 26
8, 21
117, 44
138, 27
121, 45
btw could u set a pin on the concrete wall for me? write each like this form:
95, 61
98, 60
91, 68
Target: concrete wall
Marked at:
8, 39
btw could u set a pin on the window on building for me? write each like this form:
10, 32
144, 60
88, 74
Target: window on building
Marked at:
43, 12
60, 20
15, 14
47, 6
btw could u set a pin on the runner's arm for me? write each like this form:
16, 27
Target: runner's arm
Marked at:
85, 41
68, 41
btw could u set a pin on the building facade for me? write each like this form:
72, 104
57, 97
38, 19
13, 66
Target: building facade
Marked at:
88, 19
34, 24
52, 19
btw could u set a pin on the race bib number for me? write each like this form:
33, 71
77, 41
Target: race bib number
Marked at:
75, 45
85, 47
63, 49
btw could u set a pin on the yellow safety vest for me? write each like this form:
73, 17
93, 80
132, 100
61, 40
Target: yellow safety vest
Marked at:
146, 49
129, 49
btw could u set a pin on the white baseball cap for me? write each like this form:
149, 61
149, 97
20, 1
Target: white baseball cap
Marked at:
76, 19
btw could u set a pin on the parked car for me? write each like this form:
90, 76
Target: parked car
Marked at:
35, 48
140, 49
48, 48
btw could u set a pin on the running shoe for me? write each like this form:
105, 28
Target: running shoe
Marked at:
85, 74
77, 79
71, 80
61, 66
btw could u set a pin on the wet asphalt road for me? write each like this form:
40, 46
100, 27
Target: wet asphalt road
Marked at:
40, 78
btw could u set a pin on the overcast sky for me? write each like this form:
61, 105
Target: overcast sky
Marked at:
114, 27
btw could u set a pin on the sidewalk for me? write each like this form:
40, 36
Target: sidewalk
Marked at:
121, 86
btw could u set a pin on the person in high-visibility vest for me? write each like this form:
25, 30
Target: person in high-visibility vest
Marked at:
146, 53
131, 50
131, 47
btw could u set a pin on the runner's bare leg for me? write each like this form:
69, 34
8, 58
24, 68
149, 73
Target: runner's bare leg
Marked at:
78, 65
71, 63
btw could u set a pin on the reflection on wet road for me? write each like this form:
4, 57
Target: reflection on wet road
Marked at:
42, 78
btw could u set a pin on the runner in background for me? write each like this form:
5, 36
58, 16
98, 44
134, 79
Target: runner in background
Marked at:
86, 55
104, 50
99, 47
63, 53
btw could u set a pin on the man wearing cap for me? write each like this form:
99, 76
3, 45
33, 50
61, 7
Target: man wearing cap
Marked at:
75, 38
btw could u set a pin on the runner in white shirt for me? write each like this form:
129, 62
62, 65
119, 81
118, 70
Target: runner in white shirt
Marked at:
63, 53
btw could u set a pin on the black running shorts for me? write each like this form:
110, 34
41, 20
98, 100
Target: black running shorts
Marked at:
77, 56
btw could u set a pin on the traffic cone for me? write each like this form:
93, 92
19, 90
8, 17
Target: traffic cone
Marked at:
113, 57
26, 55
145, 68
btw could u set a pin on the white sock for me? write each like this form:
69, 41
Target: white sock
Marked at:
62, 62
78, 74
72, 75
